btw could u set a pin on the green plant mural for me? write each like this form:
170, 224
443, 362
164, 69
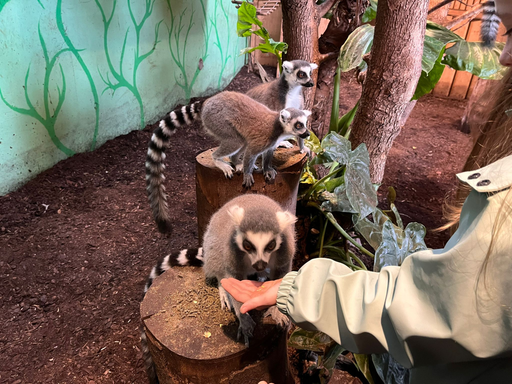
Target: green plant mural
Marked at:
178, 48
72, 49
50, 81
122, 80
224, 57
50, 117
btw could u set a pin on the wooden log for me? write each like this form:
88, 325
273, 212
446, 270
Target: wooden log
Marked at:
192, 340
213, 189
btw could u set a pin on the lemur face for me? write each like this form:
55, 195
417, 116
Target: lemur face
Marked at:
295, 122
298, 72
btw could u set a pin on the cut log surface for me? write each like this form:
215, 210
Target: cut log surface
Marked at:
193, 340
213, 189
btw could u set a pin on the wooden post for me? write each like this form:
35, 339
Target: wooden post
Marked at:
192, 340
213, 189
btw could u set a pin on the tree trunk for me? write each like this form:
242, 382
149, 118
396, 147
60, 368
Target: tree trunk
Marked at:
300, 30
393, 73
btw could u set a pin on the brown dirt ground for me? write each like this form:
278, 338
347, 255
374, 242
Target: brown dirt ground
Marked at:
78, 241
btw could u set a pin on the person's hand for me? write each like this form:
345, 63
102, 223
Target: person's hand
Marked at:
254, 294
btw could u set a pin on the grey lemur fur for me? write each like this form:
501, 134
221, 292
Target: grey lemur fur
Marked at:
490, 24
240, 124
249, 237
286, 91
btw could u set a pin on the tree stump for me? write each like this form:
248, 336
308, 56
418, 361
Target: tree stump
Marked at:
213, 189
192, 340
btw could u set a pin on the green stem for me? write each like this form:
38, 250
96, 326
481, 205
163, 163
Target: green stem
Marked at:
359, 261
331, 218
322, 238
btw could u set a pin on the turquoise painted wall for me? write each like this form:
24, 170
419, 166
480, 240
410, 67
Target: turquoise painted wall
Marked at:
76, 73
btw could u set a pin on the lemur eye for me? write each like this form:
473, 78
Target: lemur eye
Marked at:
247, 245
271, 246
301, 74
298, 125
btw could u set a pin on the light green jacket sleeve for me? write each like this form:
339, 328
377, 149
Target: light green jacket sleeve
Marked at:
437, 308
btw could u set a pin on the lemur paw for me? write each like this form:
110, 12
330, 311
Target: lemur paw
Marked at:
307, 151
224, 167
239, 168
285, 144
280, 318
248, 180
270, 174
225, 302
245, 328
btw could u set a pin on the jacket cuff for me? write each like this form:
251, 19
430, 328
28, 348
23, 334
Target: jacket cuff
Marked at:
284, 291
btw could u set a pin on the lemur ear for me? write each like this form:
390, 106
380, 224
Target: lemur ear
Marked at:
287, 67
313, 66
237, 214
307, 113
285, 219
285, 116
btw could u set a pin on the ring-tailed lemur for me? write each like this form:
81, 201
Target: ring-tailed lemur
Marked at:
250, 235
286, 91
240, 124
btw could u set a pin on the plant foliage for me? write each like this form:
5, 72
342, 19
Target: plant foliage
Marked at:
246, 19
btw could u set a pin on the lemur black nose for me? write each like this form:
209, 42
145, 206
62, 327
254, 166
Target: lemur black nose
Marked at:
260, 266
305, 135
309, 84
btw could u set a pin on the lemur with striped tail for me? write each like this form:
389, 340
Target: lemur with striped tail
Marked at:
240, 124
251, 236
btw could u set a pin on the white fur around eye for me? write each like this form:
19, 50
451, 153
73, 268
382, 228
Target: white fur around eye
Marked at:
285, 219
307, 113
313, 66
237, 214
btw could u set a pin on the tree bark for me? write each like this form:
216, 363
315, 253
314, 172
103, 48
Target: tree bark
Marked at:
393, 73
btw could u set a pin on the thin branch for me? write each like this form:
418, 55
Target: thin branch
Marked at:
442, 4
465, 16
327, 56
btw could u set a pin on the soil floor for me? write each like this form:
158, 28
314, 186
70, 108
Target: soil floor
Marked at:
78, 241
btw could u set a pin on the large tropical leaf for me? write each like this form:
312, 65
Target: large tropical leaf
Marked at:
370, 13
473, 57
436, 38
355, 47
428, 81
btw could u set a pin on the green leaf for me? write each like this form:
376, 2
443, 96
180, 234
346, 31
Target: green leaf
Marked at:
363, 364
370, 13
315, 341
355, 47
335, 109
313, 143
345, 121
397, 244
473, 57
337, 201
428, 81
247, 15
360, 191
436, 38
336, 148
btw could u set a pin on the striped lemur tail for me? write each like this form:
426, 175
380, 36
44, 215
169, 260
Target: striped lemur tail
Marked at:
156, 155
490, 24
186, 257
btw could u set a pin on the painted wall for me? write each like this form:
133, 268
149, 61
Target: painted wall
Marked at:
76, 73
